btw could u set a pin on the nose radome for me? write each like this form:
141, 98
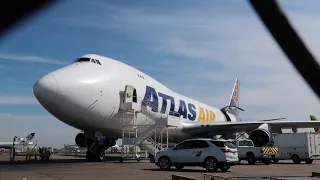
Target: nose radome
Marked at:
45, 90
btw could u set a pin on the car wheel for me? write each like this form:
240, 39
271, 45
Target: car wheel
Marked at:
275, 160
164, 163
296, 159
225, 168
152, 160
179, 167
266, 161
211, 164
309, 161
251, 159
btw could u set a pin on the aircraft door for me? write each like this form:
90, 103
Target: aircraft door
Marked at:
130, 94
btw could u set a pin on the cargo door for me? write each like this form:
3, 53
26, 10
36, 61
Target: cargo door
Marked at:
130, 94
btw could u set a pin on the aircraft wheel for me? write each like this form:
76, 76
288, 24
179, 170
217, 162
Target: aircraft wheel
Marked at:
101, 155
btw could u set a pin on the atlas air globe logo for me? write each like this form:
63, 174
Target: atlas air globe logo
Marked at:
186, 110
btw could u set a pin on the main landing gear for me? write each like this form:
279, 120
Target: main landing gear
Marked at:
96, 145
95, 152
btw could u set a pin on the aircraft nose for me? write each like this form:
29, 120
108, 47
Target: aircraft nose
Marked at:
45, 89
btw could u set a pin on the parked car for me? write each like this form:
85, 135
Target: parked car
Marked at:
247, 151
212, 154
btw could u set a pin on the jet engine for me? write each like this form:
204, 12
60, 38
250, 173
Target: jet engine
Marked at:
80, 140
260, 137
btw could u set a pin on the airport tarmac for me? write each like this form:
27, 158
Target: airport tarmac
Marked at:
68, 167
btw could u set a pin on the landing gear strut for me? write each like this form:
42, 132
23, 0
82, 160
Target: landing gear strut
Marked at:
96, 147
95, 153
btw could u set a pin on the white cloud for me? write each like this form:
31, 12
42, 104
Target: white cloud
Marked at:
236, 42
17, 100
27, 58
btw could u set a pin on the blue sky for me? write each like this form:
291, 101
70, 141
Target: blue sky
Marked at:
203, 47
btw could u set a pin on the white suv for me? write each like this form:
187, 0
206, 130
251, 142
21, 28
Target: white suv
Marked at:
208, 153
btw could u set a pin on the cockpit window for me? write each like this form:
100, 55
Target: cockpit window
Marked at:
82, 59
98, 62
88, 60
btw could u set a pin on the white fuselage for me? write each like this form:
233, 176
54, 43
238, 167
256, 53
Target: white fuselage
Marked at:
87, 96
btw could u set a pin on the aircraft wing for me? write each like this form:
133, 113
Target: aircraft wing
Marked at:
222, 127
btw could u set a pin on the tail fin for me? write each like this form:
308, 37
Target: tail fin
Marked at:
234, 99
30, 136
314, 118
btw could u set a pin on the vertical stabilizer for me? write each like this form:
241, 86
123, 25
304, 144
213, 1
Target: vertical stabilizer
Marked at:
30, 136
234, 99
314, 118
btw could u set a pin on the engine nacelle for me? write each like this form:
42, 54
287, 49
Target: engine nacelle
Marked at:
260, 137
80, 140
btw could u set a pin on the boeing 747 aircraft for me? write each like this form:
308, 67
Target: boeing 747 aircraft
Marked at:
89, 95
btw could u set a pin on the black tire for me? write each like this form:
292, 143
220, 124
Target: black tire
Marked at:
296, 159
164, 163
89, 156
309, 161
179, 167
95, 156
266, 161
121, 159
224, 168
101, 155
211, 164
275, 160
152, 160
251, 159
